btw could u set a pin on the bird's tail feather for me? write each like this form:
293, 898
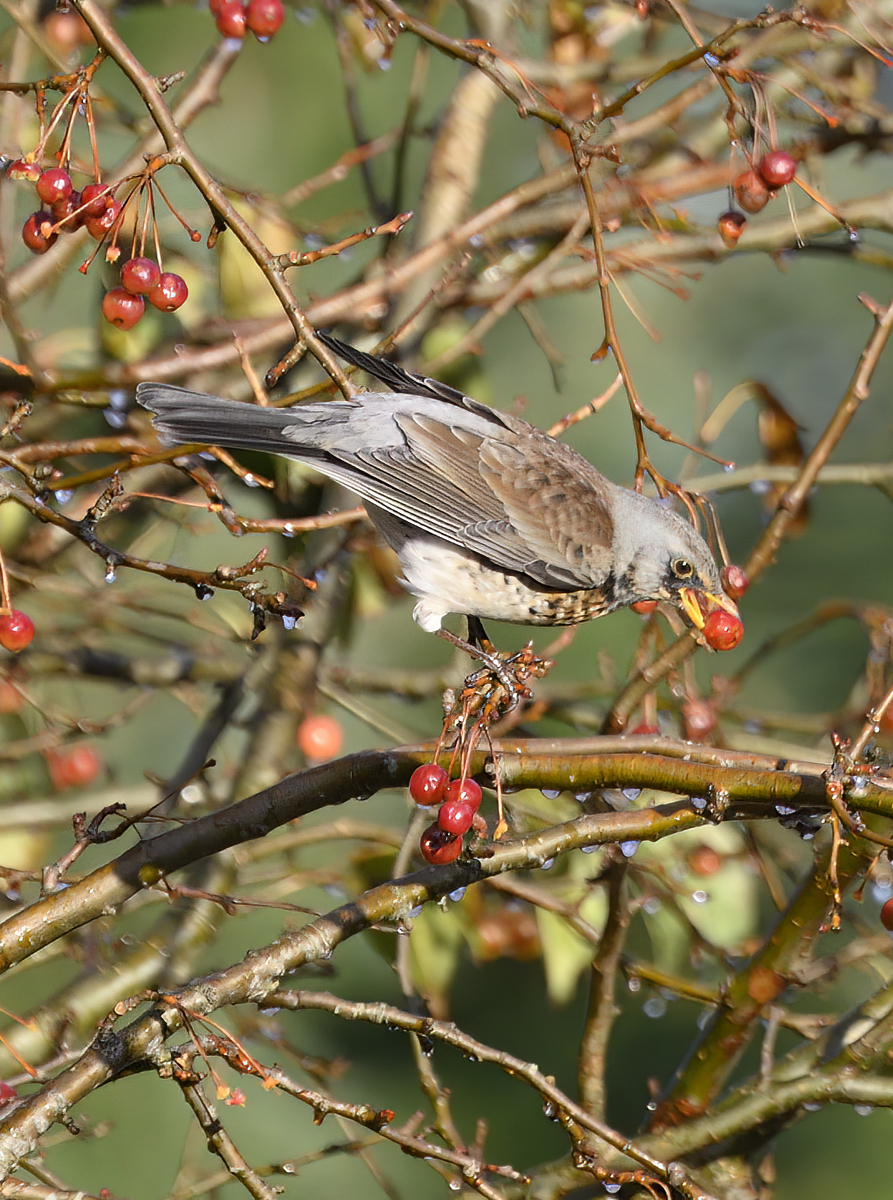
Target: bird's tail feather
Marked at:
182, 416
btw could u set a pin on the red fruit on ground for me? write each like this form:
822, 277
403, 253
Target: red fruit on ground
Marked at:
73, 766
232, 19
19, 168
54, 184
169, 292
730, 227
456, 816
122, 309
96, 198
264, 17
722, 631
751, 192
140, 275
438, 846
887, 914
777, 168
35, 232
98, 227
319, 737
734, 581
428, 783
16, 630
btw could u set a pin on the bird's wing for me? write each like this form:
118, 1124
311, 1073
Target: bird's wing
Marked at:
496, 487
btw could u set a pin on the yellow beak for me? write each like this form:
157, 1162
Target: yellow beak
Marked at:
698, 605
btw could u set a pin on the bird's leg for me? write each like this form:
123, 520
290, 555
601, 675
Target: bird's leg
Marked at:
477, 635
489, 657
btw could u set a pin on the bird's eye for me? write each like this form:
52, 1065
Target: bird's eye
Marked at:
683, 569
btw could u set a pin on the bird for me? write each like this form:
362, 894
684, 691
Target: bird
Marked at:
489, 516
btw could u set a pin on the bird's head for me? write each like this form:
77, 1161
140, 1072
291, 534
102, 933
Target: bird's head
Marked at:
666, 559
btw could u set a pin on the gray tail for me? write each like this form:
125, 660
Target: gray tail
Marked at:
182, 416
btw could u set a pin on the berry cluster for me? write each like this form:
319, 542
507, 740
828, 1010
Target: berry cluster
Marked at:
754, 189
142, 279
459, 802
261, 17
64, 209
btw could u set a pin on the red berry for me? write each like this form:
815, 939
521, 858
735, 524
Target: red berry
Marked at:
456, 816
169, 292
73, 766
643, 730
16, 630
63, 211
734, 581
698, 719
722, 631
730, 227
704, 861
140, 275
97, 198
466, 791
887, 914
644, 607
751, 192
264, 17
7, 1093
427, 784
98, 227
122, 309
215, 6
319, 737
232, 19
438, 846
10, 697
54, 184
36, 232
20, 168
777, 168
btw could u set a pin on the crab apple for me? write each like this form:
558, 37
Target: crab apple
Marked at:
20, 168
122, 309
751, 191
777, 168
438, 846
54, 184
98, 227
734, 581
698, 719
16, 630
232, 19
730, 226
264, 17
140, 275
466, 791
37, 232
887, 914
319, 737
456, 816
97, 198
64, 213
73, 766
722, 630
428, 783
169, 292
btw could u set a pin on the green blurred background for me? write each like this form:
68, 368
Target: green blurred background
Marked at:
793, 324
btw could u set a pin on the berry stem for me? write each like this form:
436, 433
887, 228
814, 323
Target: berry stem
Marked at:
4, 586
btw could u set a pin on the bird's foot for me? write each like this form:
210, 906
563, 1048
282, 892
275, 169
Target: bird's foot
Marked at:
502, 683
